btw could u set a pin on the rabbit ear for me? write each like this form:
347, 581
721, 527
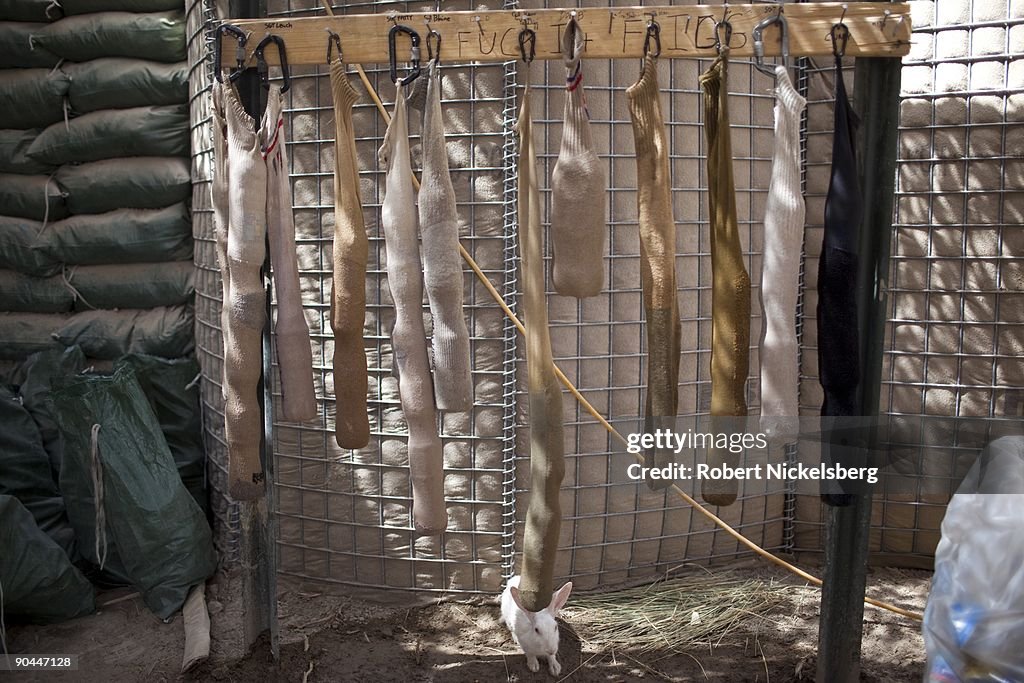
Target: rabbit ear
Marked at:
559, 599
517, 598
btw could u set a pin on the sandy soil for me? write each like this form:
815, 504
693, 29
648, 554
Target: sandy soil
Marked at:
338, 638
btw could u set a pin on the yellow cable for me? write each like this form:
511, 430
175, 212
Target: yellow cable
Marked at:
718, 521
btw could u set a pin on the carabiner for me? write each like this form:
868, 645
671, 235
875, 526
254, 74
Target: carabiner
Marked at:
653, 31
844, 35
724, 23
414, 54
240, 39
759, 42
527, 37
264, 69
433, 49
333, 41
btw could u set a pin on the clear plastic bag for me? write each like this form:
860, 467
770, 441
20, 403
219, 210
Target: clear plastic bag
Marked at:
974, 622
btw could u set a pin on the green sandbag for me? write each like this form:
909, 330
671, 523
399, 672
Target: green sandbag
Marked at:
17, 51
108, 335
117, 83
24, 247
160, 534
22, 334
113, 133
87, 6
35, 375
13, 158
36, 197
132, 183
122, 236
20, 292
30, 10
172, 390
159, 36
133, 285
25, 473
39, 582
30, 98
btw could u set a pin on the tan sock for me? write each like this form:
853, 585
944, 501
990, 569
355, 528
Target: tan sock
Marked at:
657, 258
547, 459
578, 188
409, 338
291, 332
442, 265
348, 292
730, 289
246, 300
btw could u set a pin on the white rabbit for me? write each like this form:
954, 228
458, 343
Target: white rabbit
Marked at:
536, 633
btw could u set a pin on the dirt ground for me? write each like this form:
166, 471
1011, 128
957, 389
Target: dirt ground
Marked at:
331, 637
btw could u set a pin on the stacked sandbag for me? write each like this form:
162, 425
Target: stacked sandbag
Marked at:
95, 227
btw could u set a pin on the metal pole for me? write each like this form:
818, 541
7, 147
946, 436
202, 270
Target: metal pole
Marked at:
876, 96
258, 524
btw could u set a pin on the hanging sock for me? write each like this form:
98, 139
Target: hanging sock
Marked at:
657, 260
291, 332
780, 274
578, 187
408, 339
730, 287
240, 204
838, 347
547, 460
348, 289
442, 264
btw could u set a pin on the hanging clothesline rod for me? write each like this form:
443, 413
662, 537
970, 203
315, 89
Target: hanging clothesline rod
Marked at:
877, 29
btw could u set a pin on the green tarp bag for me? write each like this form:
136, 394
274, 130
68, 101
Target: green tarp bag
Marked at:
22, 334
108, 335
132, 183
28, 294
30, 98
36, 197
171, 386
162, 540
132, 285
122, 236
13, 158
18, 51
87, 6
119, 82
30, 10
39, 582
24, 247
114, 133
34, 376
159, 36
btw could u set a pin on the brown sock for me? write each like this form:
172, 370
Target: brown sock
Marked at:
730, 289
657, 258
578, 188
547, 460
348, 293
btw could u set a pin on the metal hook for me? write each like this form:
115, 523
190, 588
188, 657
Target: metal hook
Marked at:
433, 49
333, 41
414, 53
264, 69
653, 31
240, 39
724, 23
527, 37
759, 41
843, 15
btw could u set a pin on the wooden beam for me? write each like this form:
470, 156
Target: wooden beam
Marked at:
876, 30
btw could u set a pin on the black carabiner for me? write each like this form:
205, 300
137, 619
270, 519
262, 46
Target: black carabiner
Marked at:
433, 50
653, 31
844, 35
527, 37
414, 54
724, 23
240, 39
264, 69
333, 41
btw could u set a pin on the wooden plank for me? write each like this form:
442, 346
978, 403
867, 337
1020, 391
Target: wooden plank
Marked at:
876, 29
